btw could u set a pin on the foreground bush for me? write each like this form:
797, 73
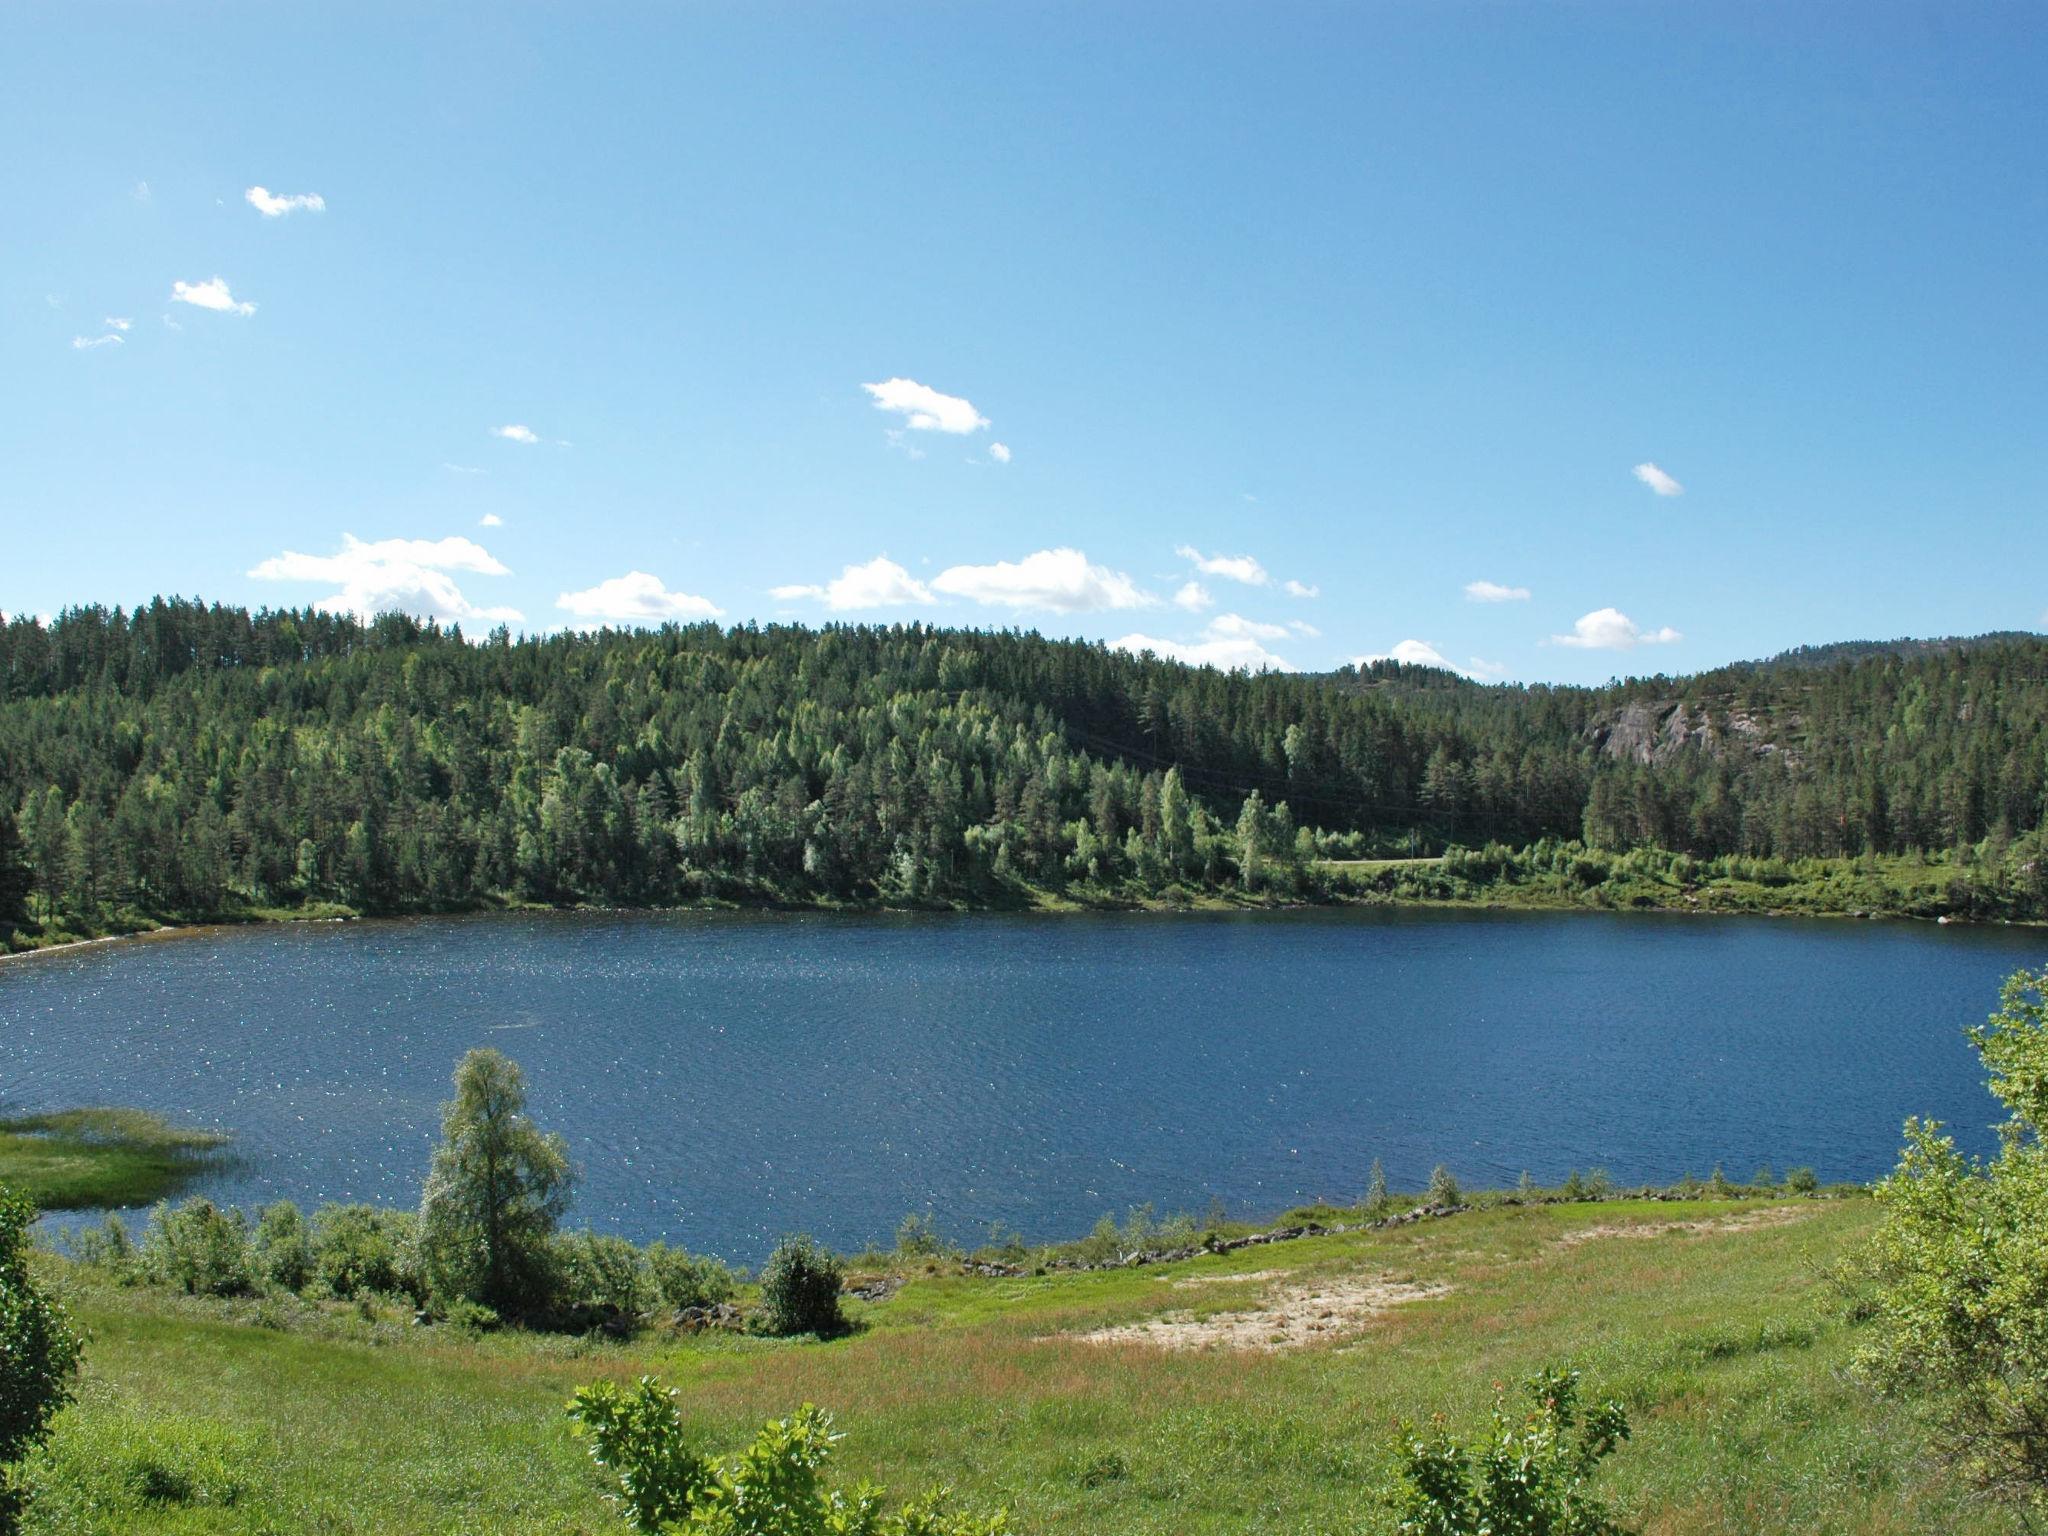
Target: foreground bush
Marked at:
1961, 1270
800, 1290
1531, 1478
773, 1488
39, 1352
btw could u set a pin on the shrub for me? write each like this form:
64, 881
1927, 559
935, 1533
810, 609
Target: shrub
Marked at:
1377, 1198
1959, 1312
1531, 1477
283, 1246
199, 1248
917, 1237
1802, 1181
39, 1352
688, 1279
106, 1246
1443, 1188
773, 1488
360, 1249
600, 1282
800, 1290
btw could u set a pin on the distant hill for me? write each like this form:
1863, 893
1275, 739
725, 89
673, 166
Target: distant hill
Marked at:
183, 758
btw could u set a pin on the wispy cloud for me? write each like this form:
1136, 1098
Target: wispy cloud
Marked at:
1657, 480
515, 433
462, 469
118, 323
924, 409
1057, 580
635, 599
395, 576
1300, 589
1193, 596
1000, 452
1609, 629
276, 205
211, 294
880, 583
1494, 592
1230, 567
87, 343
1235, 626
141, 192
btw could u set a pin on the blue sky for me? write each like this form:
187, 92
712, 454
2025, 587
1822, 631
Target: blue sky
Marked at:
1382, 301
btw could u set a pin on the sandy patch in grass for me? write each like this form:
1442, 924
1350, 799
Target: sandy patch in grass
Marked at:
1191, 1282
1748, 1221
1299, 1315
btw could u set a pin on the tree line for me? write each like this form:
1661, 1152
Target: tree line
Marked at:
189, 759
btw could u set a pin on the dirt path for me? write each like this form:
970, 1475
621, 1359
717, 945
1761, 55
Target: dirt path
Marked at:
1288, 1318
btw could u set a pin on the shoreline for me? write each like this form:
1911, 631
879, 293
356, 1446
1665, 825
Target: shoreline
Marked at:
1210, 904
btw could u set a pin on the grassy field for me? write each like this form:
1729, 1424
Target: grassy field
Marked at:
1710, 1320
83, 1159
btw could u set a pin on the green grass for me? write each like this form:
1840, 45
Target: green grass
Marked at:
88, 1159
279, 1415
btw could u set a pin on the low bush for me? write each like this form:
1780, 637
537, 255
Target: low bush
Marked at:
361, 1249
800, 1290
600, 1282
774, 1487
686, 1279
199, 1248
283, 1246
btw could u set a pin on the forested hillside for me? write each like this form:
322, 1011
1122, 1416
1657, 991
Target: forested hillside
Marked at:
187, 759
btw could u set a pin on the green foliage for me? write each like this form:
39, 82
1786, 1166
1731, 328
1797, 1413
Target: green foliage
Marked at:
1802, 1181
684, 1279
1443, 1187
1532, 1476
600, 1281
917, 1237
199, 1248
495, 1190
800, 1290
1377, 1197
39, 1353
282, 1247
363, 1250
1960, 1269
774, 1487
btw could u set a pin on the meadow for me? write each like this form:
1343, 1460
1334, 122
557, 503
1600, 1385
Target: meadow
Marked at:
88, 1159
1716, 1322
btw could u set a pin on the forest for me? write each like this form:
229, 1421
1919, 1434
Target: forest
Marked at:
186, 759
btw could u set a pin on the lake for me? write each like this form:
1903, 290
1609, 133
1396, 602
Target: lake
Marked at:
725, 1078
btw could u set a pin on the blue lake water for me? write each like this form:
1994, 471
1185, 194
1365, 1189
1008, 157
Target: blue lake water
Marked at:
722, 1079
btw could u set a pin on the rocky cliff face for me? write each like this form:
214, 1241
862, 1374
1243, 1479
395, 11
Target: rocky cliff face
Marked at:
1658, 732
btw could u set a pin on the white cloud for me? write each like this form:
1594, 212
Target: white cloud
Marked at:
86, 343
1235, 626
142, 193
490, 520
1301, 589
1609, 629
461, 469
211, 294
395, 575
1420, 653
515, 433
1480, 669
1229, 655
1303, 629
1193, 596
924, 409
170, 324
881, 583
1060, 580
635, 598
116, 323
1494, 592
1230, 567
1000, 452
277, 205
1657, 480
